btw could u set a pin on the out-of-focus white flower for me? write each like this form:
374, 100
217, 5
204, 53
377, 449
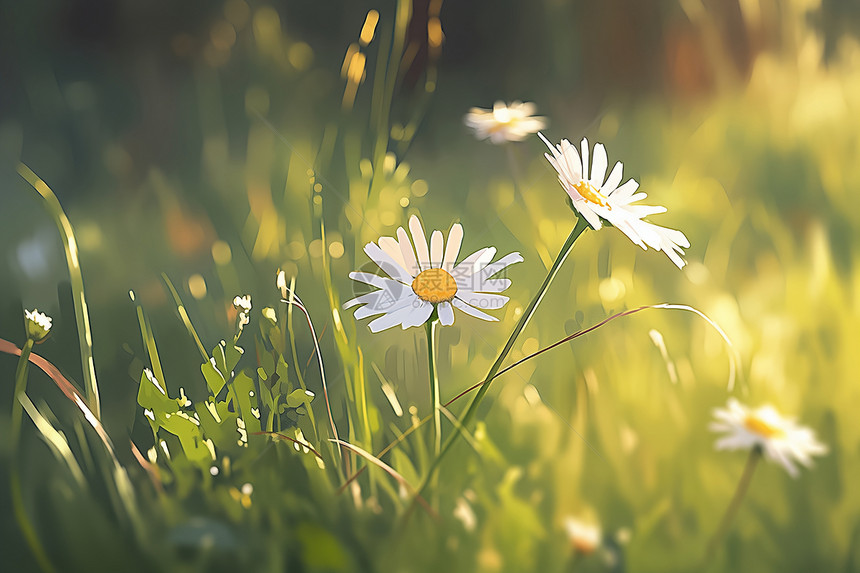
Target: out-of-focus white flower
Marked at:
38, 324
597, 197
281, 282
423, 279
781, 440
584, 536
513, 122
242, 303
465, 514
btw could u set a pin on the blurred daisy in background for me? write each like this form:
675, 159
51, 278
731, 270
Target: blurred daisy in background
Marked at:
597, 197
503, 123
584, 536
421, 279
781, 439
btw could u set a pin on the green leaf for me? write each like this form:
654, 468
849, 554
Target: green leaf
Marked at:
247, 397
282, 368
214, 378
221, 359
232, 354
218, 423
298, 397
267, 361
151, 397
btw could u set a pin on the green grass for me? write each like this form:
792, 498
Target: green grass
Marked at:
605, 427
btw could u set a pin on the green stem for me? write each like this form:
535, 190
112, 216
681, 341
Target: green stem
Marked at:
580, 227
20, 388
430, 327
15, 479
734, 506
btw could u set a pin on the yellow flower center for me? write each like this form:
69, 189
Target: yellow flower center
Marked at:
590, 194
435, 285
761, 427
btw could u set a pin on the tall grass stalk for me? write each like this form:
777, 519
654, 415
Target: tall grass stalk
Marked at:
82, 317
580, 227
15, 478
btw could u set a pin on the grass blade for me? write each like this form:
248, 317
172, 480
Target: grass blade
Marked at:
82, 317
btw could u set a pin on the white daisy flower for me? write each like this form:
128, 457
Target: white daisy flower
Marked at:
597, 198
423, 279
504, 123
781, 439
38, 324
584, 536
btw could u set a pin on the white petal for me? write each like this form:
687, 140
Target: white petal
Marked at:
598, 165
483, 300
496, 267
375, 280
473, 311
584, 208
411, 263
474, 263
572, 162
490, 285
422, 311
400, 315
584, 147
625, 190
452, 249
436, 244
446, 313
613, 180
386, 263
392, 247
368, 298
420, 242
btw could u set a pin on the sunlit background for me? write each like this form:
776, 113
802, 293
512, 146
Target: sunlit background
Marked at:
214, 143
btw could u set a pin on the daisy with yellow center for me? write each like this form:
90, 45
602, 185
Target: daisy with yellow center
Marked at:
596, 196
513, 122
764, 433
780, 439
425, 284
422, 279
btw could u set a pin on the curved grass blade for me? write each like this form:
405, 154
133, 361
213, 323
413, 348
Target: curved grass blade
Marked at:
82, 317
577, 334
183, 314
289, 439
294, 300
732, 368
55, 439
121, 481
393, 473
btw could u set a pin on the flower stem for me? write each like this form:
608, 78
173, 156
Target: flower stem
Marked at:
734, 505
430, 328
18, 508
580, 227
20, 387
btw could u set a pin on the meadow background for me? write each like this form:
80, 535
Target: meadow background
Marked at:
219, 142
